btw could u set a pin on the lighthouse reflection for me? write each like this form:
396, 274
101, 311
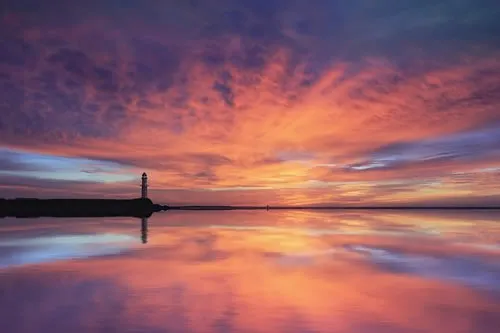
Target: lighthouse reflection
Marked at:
144, 230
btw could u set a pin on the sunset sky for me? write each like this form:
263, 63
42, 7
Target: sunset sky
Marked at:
292, 102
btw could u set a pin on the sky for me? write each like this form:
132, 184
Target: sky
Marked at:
279, 102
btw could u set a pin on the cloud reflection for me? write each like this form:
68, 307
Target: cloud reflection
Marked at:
26, 251
468, 270
192, 277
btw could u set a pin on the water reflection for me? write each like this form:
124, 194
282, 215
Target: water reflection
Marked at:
45, 249
261, 272
144, 230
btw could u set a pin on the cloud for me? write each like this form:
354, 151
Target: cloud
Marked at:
10, 161
223, 94
429, 157
19, 186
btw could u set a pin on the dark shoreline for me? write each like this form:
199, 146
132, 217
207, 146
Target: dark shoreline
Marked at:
24, 207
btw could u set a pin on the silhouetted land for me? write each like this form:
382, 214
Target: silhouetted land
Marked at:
23, 207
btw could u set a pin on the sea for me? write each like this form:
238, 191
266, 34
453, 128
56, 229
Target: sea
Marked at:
253, 271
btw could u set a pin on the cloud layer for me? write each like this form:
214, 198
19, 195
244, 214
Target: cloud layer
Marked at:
283, 101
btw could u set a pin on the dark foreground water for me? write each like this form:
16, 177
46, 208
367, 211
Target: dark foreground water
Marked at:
287, 271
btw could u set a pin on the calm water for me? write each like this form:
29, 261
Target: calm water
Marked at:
289, 271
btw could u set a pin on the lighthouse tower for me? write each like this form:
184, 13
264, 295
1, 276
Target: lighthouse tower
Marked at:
144, 186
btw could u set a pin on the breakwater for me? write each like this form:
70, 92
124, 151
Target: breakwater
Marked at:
25, 207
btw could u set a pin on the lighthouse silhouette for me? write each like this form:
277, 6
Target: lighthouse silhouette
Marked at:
144, 186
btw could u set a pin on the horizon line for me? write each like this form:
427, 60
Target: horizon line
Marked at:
284, 207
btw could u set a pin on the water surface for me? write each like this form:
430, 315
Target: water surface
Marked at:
256, 271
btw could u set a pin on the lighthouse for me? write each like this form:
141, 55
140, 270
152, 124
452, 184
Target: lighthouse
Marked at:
144, 186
